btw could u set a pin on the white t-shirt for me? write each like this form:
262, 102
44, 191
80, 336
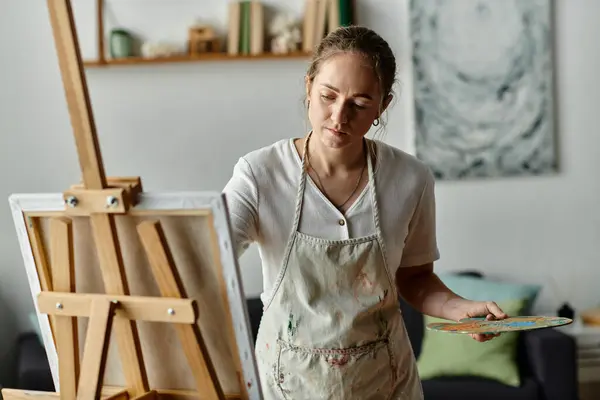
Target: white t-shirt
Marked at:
261, 197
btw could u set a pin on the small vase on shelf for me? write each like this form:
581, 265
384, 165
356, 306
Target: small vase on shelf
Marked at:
121, 43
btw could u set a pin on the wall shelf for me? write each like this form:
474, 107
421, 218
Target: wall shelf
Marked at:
133, 61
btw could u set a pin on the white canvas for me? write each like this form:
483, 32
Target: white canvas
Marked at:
215, 202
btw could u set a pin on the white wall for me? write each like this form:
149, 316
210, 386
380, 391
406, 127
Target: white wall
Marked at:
182, 127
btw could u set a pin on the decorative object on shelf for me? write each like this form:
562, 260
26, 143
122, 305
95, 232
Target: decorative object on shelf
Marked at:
121, 43
566, 311
202, 39
158, 49
591, 317
483, 89
286, 34
481, 325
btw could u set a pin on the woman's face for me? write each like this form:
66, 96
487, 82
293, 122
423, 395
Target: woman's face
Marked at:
344, 100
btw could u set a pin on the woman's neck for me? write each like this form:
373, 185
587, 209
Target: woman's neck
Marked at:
332, 161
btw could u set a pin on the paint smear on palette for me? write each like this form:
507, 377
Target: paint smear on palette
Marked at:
518, 324
481, 325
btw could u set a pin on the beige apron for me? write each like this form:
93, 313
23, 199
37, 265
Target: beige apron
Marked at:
332, 327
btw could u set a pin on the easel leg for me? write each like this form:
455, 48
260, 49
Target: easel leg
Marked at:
63, 276
113, 273
170, 285
95, 351
75, 86
92, 168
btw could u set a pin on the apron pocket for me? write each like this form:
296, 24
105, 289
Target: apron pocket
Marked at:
363, 372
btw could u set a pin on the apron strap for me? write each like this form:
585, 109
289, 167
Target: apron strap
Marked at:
376, 221
373, 190
301, 186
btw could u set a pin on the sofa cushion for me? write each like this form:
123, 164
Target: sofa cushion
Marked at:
484, 289
455, 354
473, 388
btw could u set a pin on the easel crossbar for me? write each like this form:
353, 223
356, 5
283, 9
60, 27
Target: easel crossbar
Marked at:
136, 308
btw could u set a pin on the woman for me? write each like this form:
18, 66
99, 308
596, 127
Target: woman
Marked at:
344, 226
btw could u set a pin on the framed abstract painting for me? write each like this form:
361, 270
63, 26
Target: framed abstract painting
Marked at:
483, 87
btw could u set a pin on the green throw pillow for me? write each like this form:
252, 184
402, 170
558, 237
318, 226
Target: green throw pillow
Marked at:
453, 354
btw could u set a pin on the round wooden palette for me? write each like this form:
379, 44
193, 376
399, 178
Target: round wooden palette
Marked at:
481, 325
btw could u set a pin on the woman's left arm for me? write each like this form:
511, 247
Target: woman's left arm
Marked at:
423, 290
415, 279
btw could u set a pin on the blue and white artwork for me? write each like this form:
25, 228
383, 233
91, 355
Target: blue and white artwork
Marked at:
483, 87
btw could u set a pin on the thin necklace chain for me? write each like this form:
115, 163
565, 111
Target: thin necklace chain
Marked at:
322, 187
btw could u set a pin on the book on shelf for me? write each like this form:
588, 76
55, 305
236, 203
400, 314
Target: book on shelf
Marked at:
322, 17
246, 24
246, 28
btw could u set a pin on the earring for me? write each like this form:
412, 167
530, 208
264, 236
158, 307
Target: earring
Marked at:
376, 122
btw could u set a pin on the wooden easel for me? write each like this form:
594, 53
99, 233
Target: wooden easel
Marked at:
114, 312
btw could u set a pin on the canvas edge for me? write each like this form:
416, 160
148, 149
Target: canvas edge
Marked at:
215, 201
19, 204
235, 295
